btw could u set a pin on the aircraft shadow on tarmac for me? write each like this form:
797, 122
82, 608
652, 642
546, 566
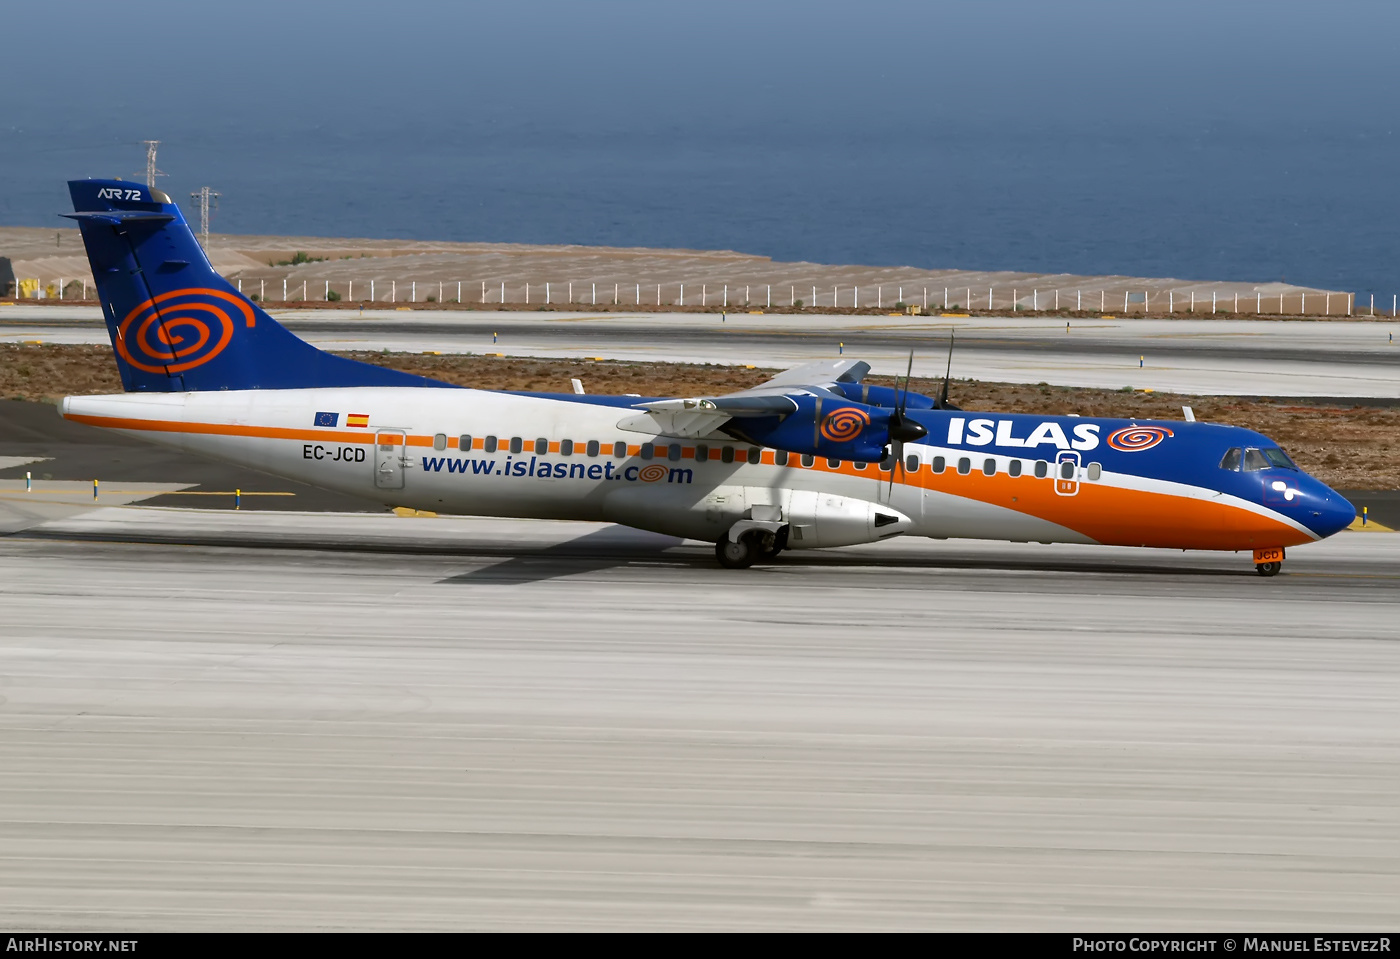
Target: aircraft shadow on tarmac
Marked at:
618, 547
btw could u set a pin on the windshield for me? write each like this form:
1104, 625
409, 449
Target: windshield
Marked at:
1278, 457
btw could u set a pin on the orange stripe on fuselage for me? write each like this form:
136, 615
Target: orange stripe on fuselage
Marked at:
219, 429
1106, 514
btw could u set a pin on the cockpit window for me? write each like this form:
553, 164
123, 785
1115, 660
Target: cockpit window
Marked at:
1231, 460
1254, 461
1278, 457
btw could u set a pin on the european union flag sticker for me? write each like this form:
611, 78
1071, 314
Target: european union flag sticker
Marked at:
327, 419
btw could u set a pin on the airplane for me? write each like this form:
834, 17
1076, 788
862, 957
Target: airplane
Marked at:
813, 458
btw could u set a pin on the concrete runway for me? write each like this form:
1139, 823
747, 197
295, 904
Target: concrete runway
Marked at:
212, 720
1254, 357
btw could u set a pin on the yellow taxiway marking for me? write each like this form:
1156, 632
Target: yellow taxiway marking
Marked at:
1371, 526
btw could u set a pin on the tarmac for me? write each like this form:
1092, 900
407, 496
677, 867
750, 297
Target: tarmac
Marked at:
283, 720
1286, 358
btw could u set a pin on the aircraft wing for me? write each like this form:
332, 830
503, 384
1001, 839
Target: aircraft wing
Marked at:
701, 416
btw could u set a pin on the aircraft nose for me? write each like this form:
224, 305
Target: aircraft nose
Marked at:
1336, 514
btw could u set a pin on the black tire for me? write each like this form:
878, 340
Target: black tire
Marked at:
740, 555
1268, 569
770, 550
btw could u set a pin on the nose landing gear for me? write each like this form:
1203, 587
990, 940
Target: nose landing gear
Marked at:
1268, 562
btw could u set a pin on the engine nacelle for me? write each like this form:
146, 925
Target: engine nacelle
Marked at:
814, 519
830, 427
823, 519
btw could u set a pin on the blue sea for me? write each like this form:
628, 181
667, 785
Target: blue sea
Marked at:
1203, 140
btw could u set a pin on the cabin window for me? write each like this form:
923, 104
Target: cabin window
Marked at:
592, 447
1095, 471
1014, 468
911, 463
727, 454
939, 464
833, 464
887, 463
702, 453
964, 465
516, 444
1254, 461
674, 453
620, 450
490, 444
781, 457
989, 467
648, 451
860, 465
1042, 469
464, 442
541, 446
755, 456
808, 459
1231, 459
1067, 469
566, 447
440, 441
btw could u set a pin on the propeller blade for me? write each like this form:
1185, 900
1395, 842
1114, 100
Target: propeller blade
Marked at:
942, 403
817, 425
908, 373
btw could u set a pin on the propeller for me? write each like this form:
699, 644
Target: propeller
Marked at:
902, 429
942, 402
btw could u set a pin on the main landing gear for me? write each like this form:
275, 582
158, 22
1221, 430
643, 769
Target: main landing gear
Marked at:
758, 537
1268, 562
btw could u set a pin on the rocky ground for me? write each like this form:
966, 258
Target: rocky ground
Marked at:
1346, 446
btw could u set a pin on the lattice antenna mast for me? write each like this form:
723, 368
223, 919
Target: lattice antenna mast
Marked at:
151, 171
203, 196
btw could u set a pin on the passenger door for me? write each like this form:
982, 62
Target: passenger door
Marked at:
1067, 473
390, 457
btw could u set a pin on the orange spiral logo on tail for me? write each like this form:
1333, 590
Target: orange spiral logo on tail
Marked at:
1134, 439
653, 473
180, 330
844, 425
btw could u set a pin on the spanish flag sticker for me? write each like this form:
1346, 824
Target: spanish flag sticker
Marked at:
357, 419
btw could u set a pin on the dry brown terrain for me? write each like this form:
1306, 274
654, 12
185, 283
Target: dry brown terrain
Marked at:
1348, 447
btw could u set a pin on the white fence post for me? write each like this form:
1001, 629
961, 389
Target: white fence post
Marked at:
1171, 300
328, 291
595, 294
546, 292
459, 293
483, 291
571, 292
1102, 294
1078, 300
770, 297
682, 294
1212, 301
503, 291
705, 295
855, 297
393, 291
371, 291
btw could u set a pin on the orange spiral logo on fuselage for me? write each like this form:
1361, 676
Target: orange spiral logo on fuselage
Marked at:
1135, 439
844, 425
180, 330
653, 473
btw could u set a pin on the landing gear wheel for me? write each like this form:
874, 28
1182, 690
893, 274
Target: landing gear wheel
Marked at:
772, 547
740, 555
1268, 569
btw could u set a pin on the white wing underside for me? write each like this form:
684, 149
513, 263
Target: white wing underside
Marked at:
701, 417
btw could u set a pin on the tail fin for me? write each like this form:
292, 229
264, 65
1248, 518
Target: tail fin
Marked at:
178, 326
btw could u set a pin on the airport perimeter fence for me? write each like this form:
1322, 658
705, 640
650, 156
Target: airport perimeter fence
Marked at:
793, 296
879, 297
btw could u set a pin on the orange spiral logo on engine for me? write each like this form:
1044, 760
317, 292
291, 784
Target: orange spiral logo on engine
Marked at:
180, 330
653, 473
1134, 439
844, 425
